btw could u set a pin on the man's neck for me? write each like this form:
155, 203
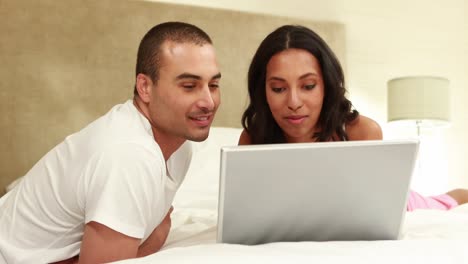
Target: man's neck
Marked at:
167, 143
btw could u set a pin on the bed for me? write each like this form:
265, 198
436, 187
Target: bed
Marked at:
81, 64
428, 236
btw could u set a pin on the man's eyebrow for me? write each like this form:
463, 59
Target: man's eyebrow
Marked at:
216, 76
186, 75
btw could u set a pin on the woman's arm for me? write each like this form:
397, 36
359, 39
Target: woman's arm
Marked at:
244, 138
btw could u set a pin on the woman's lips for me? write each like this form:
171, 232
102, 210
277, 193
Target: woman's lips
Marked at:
296, 119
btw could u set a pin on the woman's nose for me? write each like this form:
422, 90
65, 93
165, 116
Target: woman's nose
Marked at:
294, 101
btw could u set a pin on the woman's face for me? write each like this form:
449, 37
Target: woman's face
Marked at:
294, 93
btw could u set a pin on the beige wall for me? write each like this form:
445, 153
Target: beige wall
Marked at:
387, 39
64, 63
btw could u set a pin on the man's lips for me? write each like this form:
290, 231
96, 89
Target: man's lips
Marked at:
202, 120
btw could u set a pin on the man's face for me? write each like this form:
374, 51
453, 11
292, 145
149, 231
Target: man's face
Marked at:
186, 96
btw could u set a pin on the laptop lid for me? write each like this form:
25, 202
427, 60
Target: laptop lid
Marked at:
355, 190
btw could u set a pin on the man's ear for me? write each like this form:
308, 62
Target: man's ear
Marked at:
144, 86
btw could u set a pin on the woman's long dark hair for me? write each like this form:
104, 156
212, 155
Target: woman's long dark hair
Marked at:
336, 111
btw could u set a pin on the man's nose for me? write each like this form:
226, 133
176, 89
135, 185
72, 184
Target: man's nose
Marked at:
206, 100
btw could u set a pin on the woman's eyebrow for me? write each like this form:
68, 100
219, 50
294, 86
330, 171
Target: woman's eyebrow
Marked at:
307, 75
274, 78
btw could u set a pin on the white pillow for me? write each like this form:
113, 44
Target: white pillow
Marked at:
202, 179
13, 184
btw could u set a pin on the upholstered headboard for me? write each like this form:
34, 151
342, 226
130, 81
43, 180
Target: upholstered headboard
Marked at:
64, 63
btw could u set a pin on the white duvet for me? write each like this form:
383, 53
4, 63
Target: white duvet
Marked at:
429, 236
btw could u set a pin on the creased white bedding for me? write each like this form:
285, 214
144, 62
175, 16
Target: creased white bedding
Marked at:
429, 236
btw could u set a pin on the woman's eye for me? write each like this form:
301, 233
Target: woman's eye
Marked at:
277, 90
310, 86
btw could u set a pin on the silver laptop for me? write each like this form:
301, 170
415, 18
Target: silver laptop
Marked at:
354, 190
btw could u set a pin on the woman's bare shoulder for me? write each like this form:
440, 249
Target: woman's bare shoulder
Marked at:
244, 138
363, 128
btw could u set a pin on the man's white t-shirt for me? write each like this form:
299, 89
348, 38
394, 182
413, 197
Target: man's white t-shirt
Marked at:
111, 172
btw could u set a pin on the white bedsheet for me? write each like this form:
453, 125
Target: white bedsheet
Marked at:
429, 236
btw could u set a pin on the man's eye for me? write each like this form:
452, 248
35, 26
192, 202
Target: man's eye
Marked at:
188, 86
214, 85
277, 89
310, 86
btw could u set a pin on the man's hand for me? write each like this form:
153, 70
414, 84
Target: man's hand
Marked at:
157, 238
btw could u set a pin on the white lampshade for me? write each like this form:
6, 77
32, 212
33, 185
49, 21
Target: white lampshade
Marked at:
421, 99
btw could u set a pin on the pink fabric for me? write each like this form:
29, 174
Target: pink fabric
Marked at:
439, 202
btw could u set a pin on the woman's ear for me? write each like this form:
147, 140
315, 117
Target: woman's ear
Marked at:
144, 86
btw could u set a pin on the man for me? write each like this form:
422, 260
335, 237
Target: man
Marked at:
105, 193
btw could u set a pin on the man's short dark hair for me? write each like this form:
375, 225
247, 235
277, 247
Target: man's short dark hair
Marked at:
149, 51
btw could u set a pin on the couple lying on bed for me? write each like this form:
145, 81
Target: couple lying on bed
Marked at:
105, 193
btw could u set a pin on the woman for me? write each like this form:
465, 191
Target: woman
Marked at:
297, 94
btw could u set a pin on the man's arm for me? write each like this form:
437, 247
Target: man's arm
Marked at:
102, 244
157, 238
127, 172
